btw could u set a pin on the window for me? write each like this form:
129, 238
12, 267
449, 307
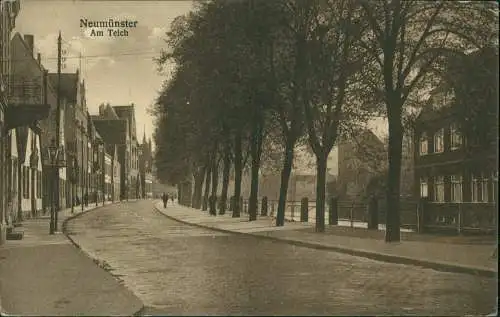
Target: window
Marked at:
479, 188
424, 188
456, 188
439, 141
455, 137
423, 144
484, 189
439, 189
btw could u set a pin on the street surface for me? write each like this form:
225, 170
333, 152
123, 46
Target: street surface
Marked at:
179, 269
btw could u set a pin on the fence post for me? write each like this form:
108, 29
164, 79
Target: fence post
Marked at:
373, 213
231, 203
333, 215
304, 209
263, 210
421, 209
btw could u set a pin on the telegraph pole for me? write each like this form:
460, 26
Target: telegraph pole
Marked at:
58, 128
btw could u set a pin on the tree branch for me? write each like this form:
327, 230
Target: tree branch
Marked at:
425, 34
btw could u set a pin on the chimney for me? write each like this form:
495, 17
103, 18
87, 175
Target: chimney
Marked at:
39, 59
101, 110
30, 41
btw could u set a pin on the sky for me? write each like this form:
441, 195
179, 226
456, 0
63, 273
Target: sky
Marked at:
118, 70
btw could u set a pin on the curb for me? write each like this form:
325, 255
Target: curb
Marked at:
438, 266
2, 311
95, 260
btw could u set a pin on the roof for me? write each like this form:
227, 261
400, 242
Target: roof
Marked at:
20, 38
97, 135
69, 84
107, 112
112, 131
124, 111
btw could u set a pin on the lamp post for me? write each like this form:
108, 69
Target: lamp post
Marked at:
126, 188
54, 159
103, 176
74, 178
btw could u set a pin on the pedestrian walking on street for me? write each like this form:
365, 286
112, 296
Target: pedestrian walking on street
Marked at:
165, 200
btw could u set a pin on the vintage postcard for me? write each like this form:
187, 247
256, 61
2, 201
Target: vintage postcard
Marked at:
248, 157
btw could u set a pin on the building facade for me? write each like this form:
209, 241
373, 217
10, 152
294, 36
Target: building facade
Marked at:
361, 160
132, 185
116, 180
116, 125
145, 168
456, 162
108, 177
30, 113
8, 14
76, 129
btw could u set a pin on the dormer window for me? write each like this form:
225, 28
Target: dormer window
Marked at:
423, 149
439, 141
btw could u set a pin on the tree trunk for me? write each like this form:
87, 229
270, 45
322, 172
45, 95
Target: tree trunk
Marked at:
225, 180
238, 171
198, 188
180, 194
208, 175
215, 184
392, 233
285, 179
254, 189
255, 152
320, 192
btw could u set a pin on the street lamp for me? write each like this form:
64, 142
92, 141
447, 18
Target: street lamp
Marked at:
126, 188
54, 159
74, 179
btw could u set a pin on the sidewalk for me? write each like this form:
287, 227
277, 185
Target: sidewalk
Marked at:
462, 254
47, 275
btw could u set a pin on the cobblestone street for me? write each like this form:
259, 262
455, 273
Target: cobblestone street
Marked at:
178, 269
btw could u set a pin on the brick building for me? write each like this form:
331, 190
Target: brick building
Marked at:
79, 143
456, 169
114, 124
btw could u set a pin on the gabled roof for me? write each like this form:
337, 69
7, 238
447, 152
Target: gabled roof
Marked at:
69, 85
112, 131
107, 112
124, 111
19, 37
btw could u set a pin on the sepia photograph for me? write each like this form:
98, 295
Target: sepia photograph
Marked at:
249, 157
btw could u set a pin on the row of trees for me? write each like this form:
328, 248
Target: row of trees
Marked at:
254, 78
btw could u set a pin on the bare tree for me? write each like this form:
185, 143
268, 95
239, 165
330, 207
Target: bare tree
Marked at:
406, 39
